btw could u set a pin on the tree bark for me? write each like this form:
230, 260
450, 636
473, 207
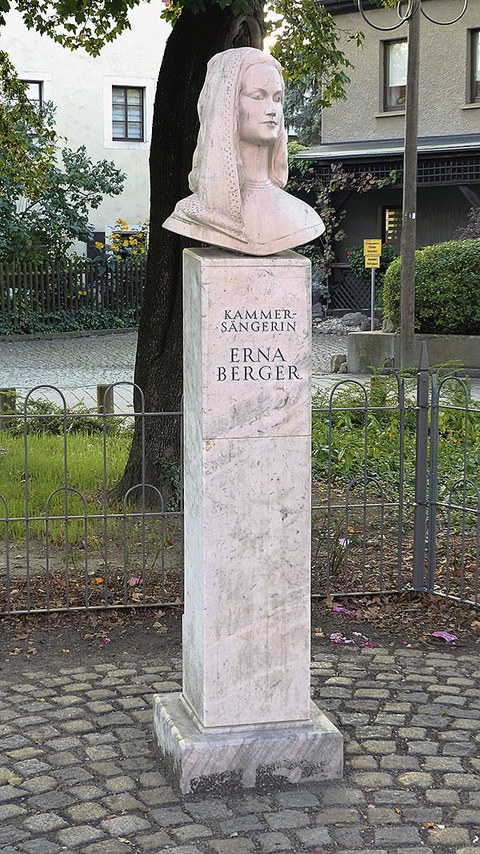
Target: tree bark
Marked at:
158, 369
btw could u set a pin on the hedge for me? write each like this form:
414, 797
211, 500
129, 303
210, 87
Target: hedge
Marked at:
447, 289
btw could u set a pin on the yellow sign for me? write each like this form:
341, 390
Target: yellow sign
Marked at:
372, 247
372, 261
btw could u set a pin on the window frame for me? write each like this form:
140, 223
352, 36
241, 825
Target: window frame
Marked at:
40, 101
474, 66
386, 106
385, 236
126, 120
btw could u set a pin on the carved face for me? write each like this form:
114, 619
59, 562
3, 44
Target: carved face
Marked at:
261, 105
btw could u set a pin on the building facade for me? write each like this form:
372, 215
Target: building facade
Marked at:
365, 132
104, 102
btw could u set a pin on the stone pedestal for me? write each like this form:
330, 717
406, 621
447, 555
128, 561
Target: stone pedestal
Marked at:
245, 714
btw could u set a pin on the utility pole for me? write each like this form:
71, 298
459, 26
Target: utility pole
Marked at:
409, 203
409, 12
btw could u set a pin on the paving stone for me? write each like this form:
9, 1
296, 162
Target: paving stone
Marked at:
471, 817
368, 779
44, 822
337, 815
11, 811
442, 763
272, 841
37, 785
110, 846
209, 810
347, 837
53, 800
101, 751
251, 804
156, 841
340, 795
382, 815
312, 837
30, 767
423, 748
190, 832
152, 779
416, 779
72, 837
395, 797
449, 836
120, 784
364, 763
396, 836
125, 825
231, 846
379, 746
287, 819
170, 816
446, 797
123, 803
296, 798
462, 781
86, 812
10, 835
88, 792
39, 846
12, 793
400, 763
244, 823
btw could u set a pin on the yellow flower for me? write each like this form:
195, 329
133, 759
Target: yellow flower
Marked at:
125, 242
99, 245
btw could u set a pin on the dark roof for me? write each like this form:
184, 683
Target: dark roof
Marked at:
378, 148
340, 7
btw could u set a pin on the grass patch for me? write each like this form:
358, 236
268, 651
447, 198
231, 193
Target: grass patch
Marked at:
34, 484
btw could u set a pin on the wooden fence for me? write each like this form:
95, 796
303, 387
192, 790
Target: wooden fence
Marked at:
44, 289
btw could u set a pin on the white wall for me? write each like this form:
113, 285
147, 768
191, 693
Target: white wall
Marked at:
80, 87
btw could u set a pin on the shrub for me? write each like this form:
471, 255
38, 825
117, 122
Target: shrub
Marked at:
356, 259
79, 320
447, 282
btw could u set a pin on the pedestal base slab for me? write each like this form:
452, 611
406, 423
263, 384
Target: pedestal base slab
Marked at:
257, 757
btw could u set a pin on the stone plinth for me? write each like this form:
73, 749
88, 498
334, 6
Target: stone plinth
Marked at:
245, 708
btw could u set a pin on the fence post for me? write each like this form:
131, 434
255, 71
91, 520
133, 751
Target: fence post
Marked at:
8, 405
105, 401
433, 490
421, 469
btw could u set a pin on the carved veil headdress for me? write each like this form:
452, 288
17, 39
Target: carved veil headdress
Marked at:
216, 178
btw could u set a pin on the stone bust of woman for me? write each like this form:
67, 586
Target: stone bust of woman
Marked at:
240, 162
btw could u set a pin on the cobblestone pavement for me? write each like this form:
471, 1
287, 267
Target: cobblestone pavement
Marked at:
76, 365
79, 770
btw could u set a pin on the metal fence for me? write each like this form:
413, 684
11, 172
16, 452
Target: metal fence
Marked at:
68, 541
395, 486
43, 290
396, 475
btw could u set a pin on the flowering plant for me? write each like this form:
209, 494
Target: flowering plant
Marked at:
123, 242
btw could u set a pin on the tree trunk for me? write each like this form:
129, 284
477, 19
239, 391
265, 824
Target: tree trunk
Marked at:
158, 369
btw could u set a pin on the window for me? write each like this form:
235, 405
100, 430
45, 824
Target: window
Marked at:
34, 91
127, 113
395, 70
392, 226
475, 66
